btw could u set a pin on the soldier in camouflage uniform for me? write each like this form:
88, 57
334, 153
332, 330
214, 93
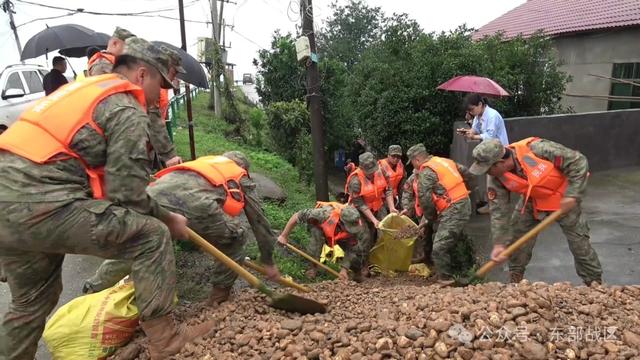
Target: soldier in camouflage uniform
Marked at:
102, 63
164, 148
547, 162
53, 208
369, 171
190, 194
442, 195
423, 247
355, 244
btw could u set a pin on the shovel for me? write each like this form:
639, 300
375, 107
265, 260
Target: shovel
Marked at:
282, 281
312, 260
482, 272
286, 302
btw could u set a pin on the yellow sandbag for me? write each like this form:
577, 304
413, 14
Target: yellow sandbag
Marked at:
332, 254
390, 253
93, 326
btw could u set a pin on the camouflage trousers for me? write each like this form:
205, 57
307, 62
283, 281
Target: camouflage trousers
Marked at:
451, 223
35, 238
575, 228
373, 231
228, 235
355, 256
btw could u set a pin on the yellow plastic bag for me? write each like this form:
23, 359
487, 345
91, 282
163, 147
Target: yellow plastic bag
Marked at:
332, 254
390, 253
93, 326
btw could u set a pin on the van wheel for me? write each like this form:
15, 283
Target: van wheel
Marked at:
2, 128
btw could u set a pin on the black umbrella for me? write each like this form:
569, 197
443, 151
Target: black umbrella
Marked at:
195, 73
100, 41
57, 37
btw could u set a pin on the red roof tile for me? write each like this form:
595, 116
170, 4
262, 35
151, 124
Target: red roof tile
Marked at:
557, 17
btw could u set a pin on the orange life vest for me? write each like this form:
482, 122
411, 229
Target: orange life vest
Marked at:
372, 192
544, 183
450, 179
219, 171
330, 227
416, 203
395, 176
101, 55
48, 127
163, 103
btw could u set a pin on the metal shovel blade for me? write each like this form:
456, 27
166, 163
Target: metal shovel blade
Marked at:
298, 304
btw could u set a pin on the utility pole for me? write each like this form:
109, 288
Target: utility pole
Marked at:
187, 90
315, 105
7, 7
215, 35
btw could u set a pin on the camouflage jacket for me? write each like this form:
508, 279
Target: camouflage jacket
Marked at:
408, 198
124, 151
100, 67
160, 140
570, 162
428, 184
193, 196
354, 192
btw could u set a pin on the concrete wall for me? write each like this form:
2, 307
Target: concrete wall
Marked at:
609, 139
595, 53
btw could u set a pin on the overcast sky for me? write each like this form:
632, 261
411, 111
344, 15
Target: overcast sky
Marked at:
254, 20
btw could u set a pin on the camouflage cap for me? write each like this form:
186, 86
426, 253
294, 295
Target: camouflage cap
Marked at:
176, 60
368, 163
122, 34
395, 150
239, 158
351, 219
416, 150
151, 54
485, 155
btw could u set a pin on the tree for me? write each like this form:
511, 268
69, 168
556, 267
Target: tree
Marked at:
349, 31
280, 77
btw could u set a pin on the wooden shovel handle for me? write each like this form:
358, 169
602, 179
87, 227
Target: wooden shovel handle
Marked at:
227, 261
520, 242
311, 259
282, 281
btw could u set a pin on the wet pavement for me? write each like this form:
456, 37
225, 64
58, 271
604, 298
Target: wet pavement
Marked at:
612, 207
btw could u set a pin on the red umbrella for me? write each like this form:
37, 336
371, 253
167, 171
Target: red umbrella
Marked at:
476, 84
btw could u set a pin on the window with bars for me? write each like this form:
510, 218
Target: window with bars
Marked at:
626, 71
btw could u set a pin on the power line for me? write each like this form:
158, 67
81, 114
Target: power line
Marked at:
81, 10
248, 39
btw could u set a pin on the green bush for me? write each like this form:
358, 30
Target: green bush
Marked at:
289, 130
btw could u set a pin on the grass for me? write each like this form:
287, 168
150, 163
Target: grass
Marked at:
210, 139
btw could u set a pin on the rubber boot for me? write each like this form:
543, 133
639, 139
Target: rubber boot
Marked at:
166, 339
515, 277
591, 282
219, 295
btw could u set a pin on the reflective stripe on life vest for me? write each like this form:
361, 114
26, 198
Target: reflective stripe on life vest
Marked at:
48, 127
219, 171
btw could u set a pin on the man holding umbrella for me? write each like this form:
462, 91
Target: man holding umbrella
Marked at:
102, 62
86, 195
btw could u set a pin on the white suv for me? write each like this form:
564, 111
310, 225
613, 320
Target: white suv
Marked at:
20, 86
